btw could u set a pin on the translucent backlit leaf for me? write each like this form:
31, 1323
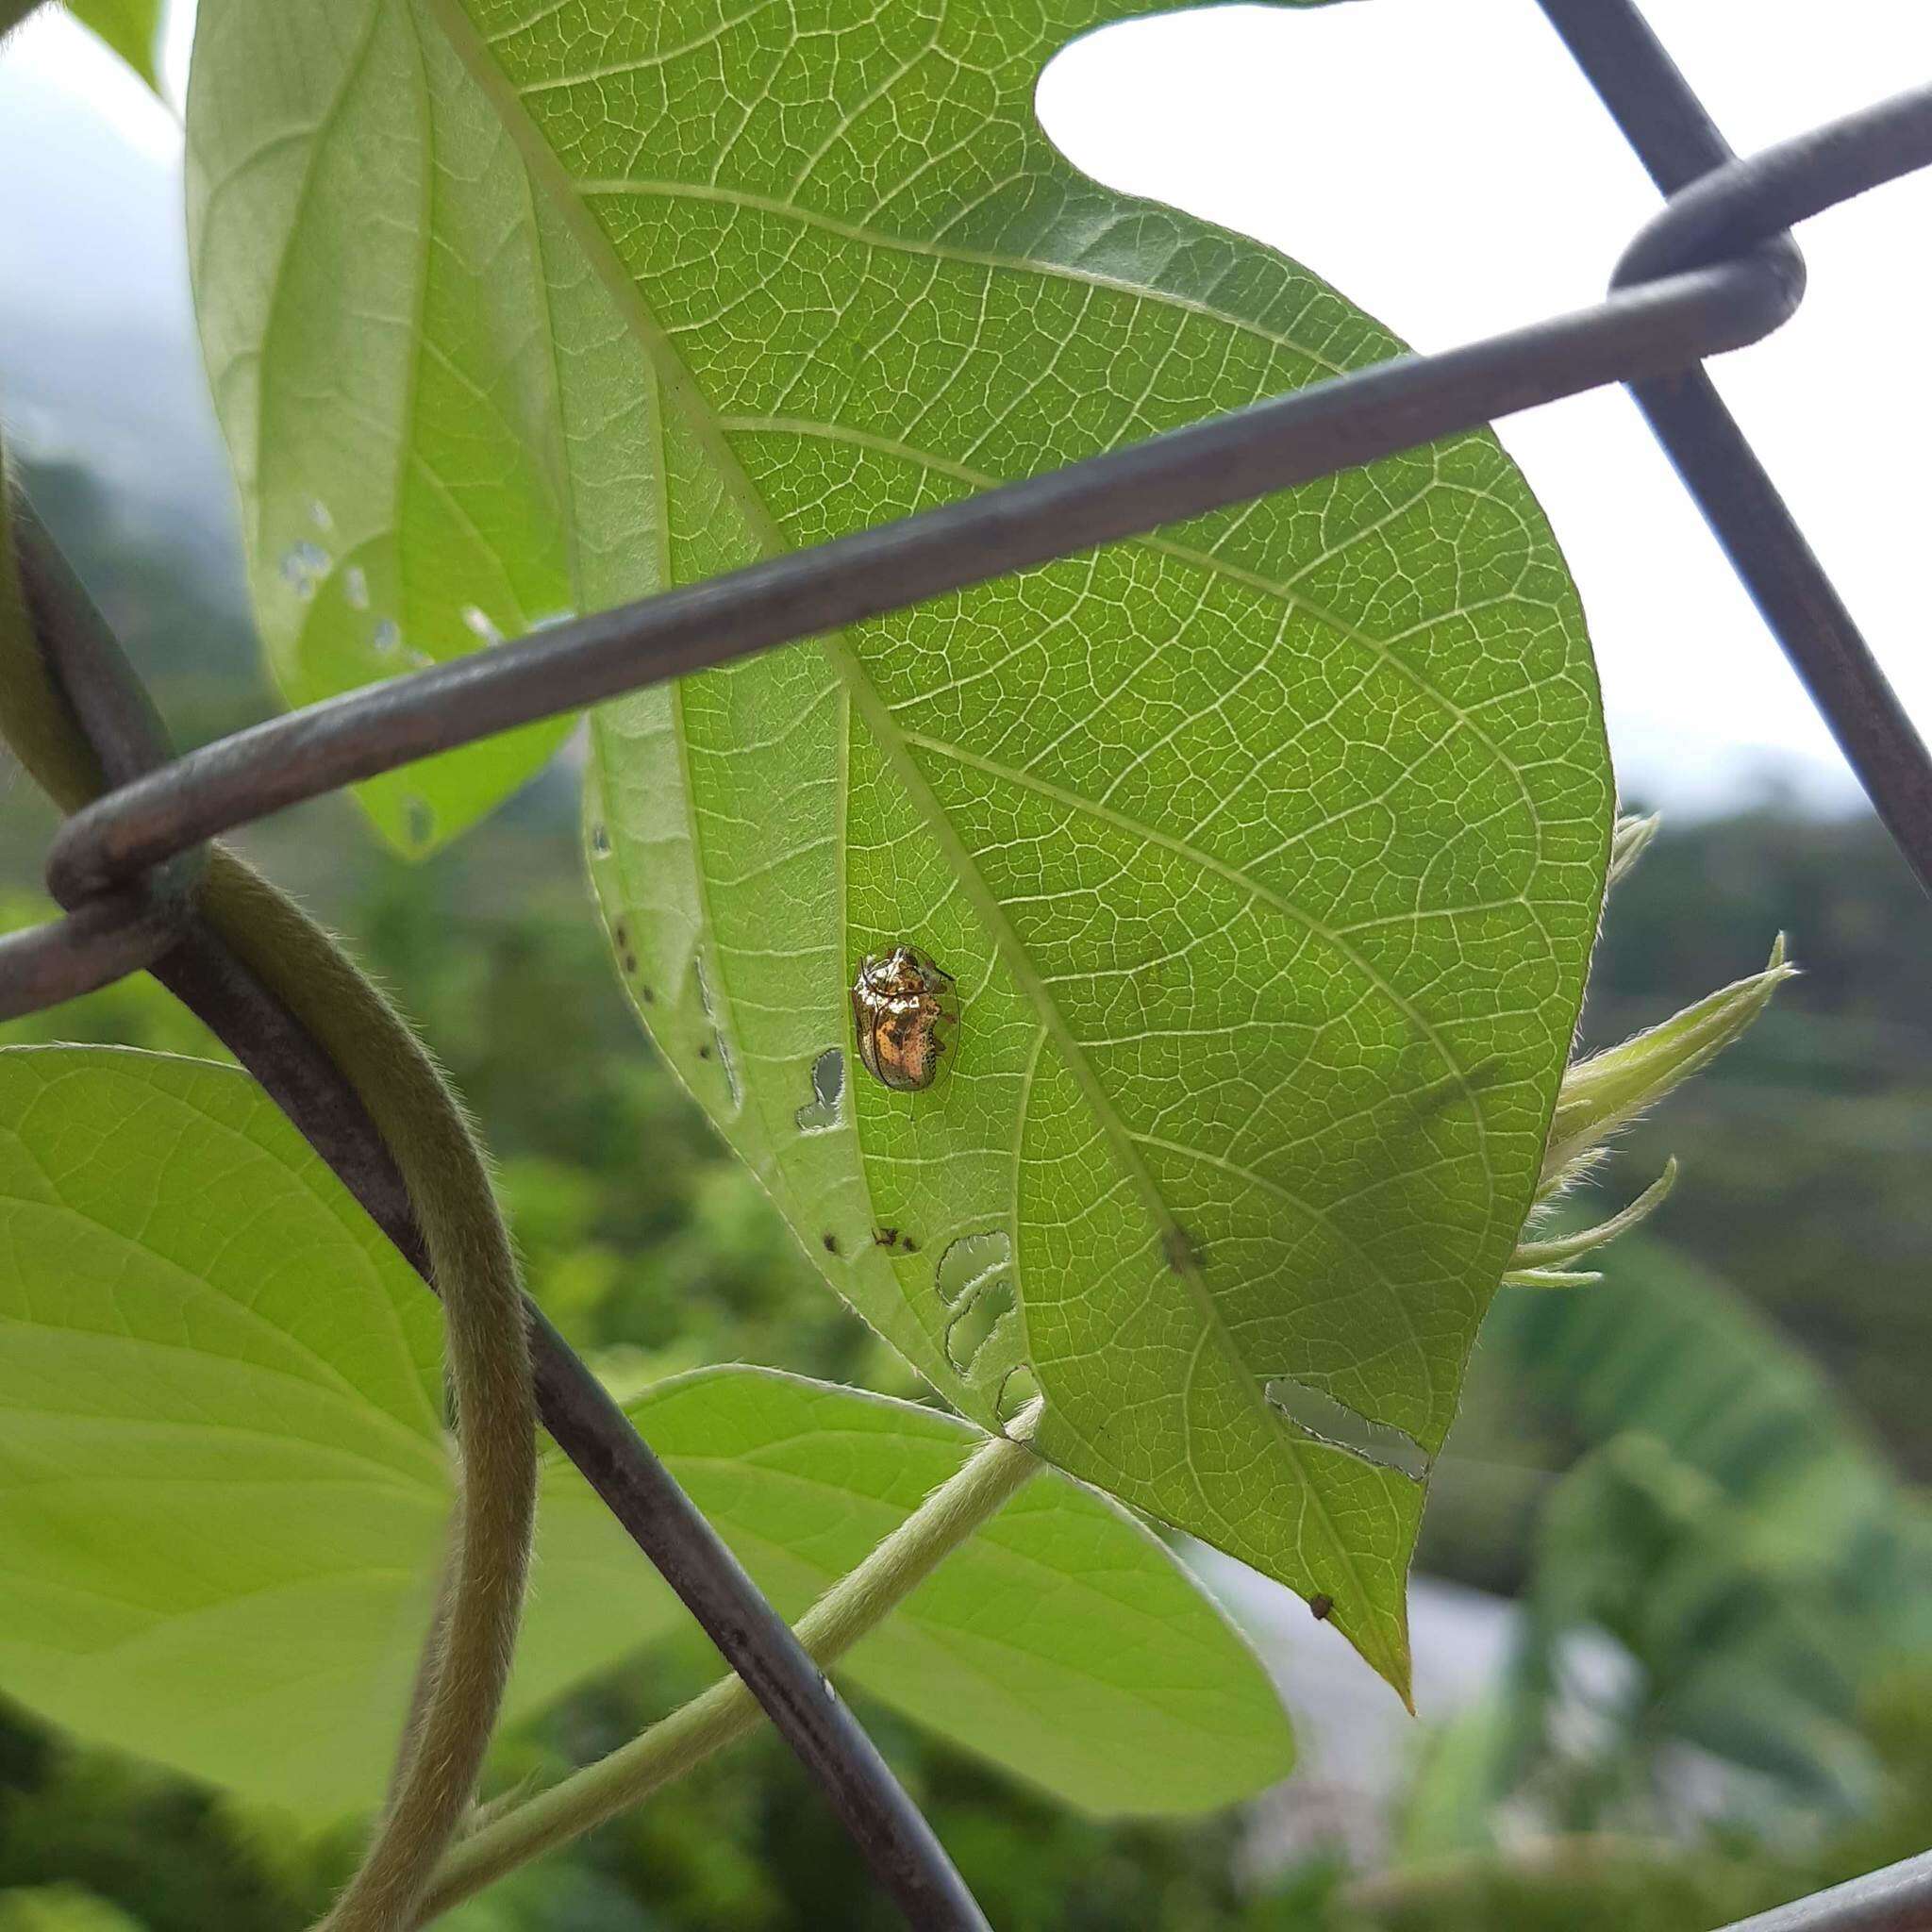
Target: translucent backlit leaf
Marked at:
223, 1487
1266, 853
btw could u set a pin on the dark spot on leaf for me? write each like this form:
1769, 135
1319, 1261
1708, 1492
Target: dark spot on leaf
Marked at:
600, 840
1319, 1607
831, 1241
704, 1052
621, 933
630, 962
885, 1237
645, 994
1178, 1249
908, 1246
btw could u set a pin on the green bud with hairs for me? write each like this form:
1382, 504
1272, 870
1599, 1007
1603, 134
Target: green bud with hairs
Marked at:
1604, 1092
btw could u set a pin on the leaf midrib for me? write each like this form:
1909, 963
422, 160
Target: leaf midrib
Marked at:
678, 388
1150, 1630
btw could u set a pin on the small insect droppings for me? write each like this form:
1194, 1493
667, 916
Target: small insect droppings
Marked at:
646, 993
899, 1001
885, 1237
831, 1241
908, 1246
629, 964
1319, 1606
704, 1052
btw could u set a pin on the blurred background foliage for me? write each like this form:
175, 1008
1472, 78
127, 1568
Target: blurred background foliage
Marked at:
1698, 1482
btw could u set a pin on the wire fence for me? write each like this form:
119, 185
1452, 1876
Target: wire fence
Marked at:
1714, 271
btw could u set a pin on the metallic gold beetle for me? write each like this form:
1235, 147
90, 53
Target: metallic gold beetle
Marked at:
899, 1002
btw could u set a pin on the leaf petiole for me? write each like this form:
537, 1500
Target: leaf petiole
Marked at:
851, 1607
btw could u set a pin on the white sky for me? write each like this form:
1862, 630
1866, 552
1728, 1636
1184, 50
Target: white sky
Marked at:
1445, 166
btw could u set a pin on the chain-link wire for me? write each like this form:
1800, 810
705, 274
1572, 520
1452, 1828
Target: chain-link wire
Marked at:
1714, 271
1897, 1899
205, 972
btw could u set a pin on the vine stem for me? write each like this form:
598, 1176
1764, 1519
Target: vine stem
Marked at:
467, 1655
727, 1711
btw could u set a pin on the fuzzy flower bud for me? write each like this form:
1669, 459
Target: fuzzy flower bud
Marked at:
1611, 1088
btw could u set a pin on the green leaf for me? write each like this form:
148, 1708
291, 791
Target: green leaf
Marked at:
1266, 853
224, 1486
1064, 1641
222, 1472
131, 27
375, 302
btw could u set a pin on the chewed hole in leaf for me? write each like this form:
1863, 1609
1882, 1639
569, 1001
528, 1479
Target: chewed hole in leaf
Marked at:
728, 1067
1020, 1388
971, 1329
717, 1048
821, 1111
1340, 1426
969, 1264
974, 1279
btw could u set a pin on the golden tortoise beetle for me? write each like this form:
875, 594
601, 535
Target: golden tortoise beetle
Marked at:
899, 1001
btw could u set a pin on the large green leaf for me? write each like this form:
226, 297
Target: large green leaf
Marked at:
1266, 853
1064, 1641
223, 1476
223, 1485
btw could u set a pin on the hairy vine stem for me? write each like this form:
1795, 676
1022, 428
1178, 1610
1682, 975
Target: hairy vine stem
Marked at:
436, 1149
727, 1711
449, 1188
